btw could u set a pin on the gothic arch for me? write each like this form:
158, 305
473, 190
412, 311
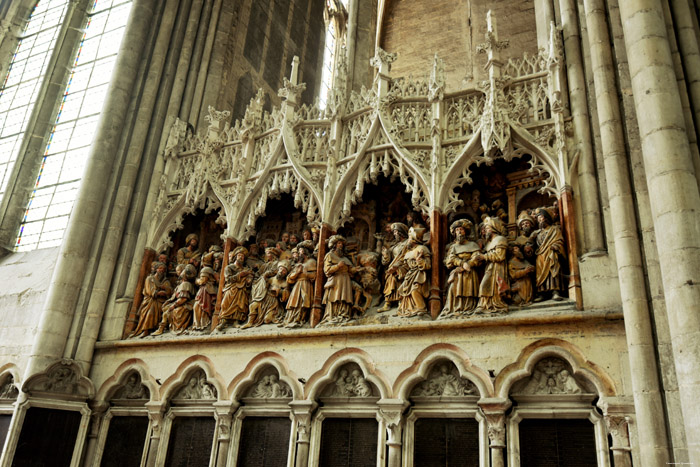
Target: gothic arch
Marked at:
64, 379
172, 221
187, 368
366, 168
257, 365
533, 353
319, 380
426, 360
117, 380
10, 370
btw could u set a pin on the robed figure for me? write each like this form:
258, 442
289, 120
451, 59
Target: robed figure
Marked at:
155, 291
415, 288
338, 294
550, 245
301, 279
238, 278
494, 284
463, 281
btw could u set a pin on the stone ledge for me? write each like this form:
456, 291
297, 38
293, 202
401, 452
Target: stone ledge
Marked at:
540, 314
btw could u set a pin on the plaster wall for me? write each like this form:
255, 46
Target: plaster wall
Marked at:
25, 279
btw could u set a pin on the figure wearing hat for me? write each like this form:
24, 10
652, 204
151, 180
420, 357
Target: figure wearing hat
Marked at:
463, 281
177, 311
301, 279
520, 273
415, 287
338, 294
206, 298
190, 253
238, 278
271, 308
394, 260
494, 284
526, 225
550, 245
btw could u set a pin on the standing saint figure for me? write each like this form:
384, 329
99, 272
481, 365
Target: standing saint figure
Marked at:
393, 259
205, 299
156, 290
550, 244
494, 285
237, 280
177, 311
338, 296
415, 288
463, 281
302, 280
271, 308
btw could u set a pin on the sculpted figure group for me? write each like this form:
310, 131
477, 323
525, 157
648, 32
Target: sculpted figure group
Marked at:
486, 272
492, 272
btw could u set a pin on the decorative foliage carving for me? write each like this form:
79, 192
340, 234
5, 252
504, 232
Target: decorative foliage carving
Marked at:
197, 388
444, 380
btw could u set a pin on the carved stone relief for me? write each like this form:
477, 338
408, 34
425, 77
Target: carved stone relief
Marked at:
133, 389
444, 380
551, 376
349, 381
269, 386
197, 388
8, 389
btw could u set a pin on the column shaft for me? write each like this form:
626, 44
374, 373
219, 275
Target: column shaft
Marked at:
673, 193
317, 310
640, 343
75, 251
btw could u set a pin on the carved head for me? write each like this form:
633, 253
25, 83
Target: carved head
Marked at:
544, 218
306, 234
285, 237
192, 240
399, 230
293, 239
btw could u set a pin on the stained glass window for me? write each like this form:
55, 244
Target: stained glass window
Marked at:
66, 154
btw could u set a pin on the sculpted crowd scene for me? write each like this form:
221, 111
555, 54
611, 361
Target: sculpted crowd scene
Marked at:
272, 281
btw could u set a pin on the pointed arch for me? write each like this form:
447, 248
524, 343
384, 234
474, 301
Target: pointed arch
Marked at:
319, 380
243, 381
533, 353
433, 354
188, 367
118, 379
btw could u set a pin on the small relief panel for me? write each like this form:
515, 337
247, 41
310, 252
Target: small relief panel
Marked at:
269, 386
133, 389
552, 376
444, 381
8, 389
196, 388
349, 381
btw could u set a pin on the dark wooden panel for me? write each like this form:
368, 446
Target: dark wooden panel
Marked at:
190, 442
264, 442
348, 442
125, 440
4, 428
47, 438
446, 441
557, 443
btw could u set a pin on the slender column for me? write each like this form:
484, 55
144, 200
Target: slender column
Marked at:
353, 6
617, 426
674, 195
149, 255
317, 309
120, 210
494, 411
220, 294
97, 418
391, 413
589, 200
690, 51
438, 240
74, 255
653, 440
196, 63
224, 419
567, 210
302, 410
544, 11
156, 419
204, 67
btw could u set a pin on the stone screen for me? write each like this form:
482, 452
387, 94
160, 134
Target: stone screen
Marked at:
190, 441
557, 443
349, 442
446, 441
264, 442
125, 440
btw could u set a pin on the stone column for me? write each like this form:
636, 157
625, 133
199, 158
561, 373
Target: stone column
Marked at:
544, 13
640, 342
302, 410
674, 195
74, 254
224, 420
317, 309
97, 418
196, 61
196, 106
156, 420
690, 50
567, 215
589, 200
494, 411
353, 11
391, 413
438, 236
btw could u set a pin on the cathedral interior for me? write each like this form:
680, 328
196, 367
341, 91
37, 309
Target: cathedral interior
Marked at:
349, 233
